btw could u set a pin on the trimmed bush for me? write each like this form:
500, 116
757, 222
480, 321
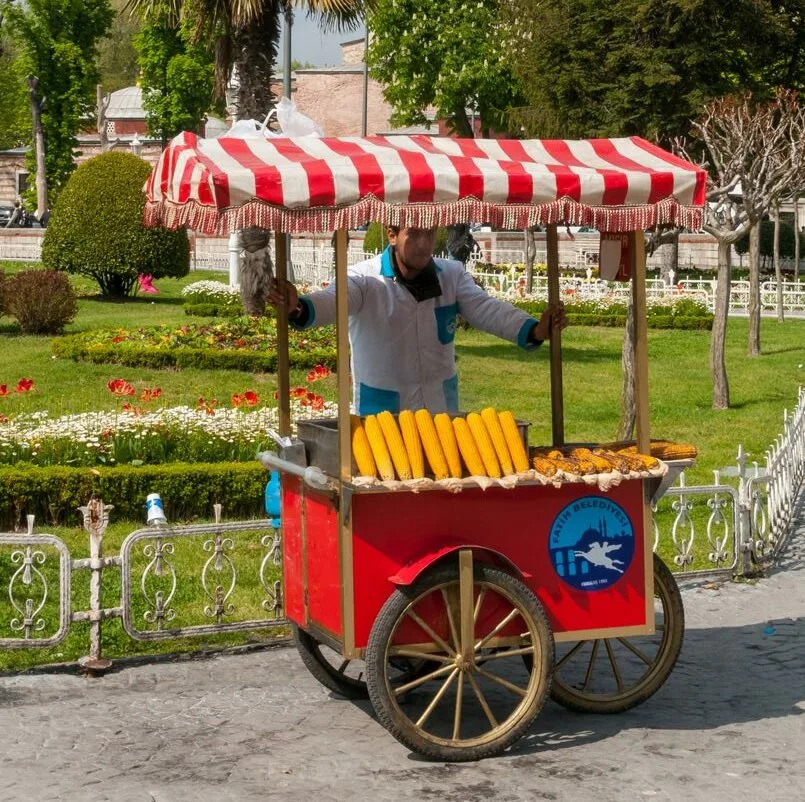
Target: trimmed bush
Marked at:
188, 491
212, 310
375, 240
80, 348
42, 301
96, 228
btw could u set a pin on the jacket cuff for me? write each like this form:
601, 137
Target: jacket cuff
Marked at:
522, 336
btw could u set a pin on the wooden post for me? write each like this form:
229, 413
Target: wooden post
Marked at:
637, 253
344, 445
342, 359
557, 401
283, 360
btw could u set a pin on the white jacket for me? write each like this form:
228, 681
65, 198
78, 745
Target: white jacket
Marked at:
403, 354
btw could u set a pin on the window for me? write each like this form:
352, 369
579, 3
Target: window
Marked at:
22, 183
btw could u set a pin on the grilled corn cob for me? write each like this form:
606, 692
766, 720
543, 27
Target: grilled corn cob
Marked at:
413, 445
484, 444
447, 437
468, 448
514, 441
361, 450
380, 451
544, 466
492, 423
599, 463
395, 444
431, 444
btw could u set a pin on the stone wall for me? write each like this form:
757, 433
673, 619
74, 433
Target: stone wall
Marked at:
334, 100
352, 52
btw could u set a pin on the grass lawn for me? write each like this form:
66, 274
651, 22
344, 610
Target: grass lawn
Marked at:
491, 373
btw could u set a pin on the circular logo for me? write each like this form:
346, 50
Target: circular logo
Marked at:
591, 543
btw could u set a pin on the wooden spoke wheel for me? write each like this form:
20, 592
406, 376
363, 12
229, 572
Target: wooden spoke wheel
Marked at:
615, 674
472, 625
347, 677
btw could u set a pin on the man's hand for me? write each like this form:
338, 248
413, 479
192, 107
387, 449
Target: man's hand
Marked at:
553, 319
282, 294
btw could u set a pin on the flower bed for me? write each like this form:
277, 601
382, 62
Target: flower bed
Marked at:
133, 436
240, 344
212, 299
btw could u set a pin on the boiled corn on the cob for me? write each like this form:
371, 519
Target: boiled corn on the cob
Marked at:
395, 444
447, 437
380, 451
431, 444
492, 423
361, 450
413, 444
514, 441
484, 444
468, 448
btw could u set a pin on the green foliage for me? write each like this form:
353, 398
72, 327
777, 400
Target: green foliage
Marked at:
117, 57
442, 53
177, 77
187, 491
247, 344
641, 66
96, 228
42, 301
212, 310
15, 109
374, 240
685, 314
767, 240
59, 39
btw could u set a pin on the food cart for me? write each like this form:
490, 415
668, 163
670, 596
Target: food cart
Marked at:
456, 607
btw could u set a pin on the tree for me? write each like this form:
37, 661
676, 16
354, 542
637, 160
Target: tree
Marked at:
645, 67
245, 35
177, 77
754, 155
445, 54
59, 39
118, 62
15, 117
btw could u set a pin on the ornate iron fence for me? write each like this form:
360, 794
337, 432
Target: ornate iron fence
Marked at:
180, 581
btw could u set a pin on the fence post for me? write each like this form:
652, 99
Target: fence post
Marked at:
96, 519
744, 534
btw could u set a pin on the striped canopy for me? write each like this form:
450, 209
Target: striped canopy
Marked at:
216, 186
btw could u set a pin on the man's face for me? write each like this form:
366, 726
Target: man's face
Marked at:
413, 248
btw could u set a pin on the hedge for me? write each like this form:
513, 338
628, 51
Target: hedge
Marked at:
659, 317
75, 347
212, 310
188, 491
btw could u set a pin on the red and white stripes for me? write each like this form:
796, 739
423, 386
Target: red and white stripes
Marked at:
308, 184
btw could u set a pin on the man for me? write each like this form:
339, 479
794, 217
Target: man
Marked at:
402, 323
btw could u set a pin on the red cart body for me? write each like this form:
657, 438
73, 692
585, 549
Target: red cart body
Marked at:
337, 593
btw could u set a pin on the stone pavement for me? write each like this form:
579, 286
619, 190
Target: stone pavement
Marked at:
727, 725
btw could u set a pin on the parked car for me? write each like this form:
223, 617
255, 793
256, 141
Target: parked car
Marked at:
6, 210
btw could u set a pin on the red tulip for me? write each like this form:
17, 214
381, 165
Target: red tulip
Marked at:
250, 398
119, 387
23, 385
3, 389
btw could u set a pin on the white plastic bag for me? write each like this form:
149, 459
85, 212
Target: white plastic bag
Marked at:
293, 122
245, 129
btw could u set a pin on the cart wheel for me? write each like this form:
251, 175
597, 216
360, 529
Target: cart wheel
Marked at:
615, 674
472, 625
344, 677
347, 677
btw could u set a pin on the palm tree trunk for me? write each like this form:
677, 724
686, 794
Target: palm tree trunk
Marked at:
718, 364
255, 50
754, 291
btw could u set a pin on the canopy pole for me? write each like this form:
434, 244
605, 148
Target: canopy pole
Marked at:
557, 399
283, 361
342, 359
637, 257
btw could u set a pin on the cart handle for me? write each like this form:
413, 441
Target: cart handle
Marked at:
310, 475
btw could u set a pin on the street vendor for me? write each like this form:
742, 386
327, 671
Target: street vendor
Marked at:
402, 323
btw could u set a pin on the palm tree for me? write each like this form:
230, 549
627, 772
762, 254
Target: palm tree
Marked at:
245, 35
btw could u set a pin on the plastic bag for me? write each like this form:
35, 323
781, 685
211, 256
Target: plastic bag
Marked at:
293, 122
245, 129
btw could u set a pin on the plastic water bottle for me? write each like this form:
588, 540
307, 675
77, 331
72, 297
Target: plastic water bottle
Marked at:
273, 499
